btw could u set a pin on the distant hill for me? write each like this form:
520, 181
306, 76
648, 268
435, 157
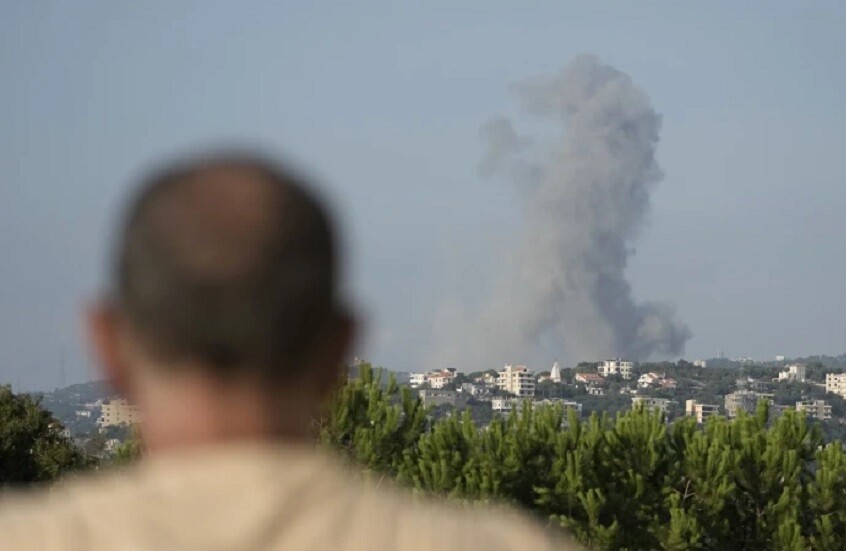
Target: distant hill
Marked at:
70, 404
834, 362
829, 362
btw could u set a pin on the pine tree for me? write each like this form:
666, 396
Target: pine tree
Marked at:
628, 482
373, 423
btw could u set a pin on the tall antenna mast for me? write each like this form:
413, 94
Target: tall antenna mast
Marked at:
62, 375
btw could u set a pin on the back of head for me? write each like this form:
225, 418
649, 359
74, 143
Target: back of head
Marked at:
228, 262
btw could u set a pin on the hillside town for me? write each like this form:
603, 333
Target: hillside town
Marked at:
697, 389
95, 418
98, 420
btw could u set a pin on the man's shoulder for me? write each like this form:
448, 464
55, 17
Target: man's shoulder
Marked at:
428, 523
291, 504
49, 517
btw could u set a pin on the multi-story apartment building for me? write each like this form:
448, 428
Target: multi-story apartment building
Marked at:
648, 402
436, 379
516, 380
795, 372
565, 404
118, 412
475, 389
416, 380
440, 379
502, 404
692, 408
836, 383
815, 409
616, 367
432, 397
741, 400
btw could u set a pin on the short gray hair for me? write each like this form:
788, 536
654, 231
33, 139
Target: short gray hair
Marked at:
229, 260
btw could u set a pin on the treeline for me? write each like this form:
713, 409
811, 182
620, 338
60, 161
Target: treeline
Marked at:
628, 482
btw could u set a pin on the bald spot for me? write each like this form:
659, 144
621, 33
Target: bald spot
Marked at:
218, 220
227, 261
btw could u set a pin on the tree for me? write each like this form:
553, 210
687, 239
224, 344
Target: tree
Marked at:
548, 389
32, 446
127, 453
371, 423
460, 378
130, 450
631, 481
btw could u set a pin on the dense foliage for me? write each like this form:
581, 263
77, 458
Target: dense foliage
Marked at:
32, 446
628, 482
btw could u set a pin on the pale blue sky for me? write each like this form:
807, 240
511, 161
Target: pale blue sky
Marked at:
383, 101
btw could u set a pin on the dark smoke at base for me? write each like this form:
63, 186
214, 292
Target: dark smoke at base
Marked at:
587, 195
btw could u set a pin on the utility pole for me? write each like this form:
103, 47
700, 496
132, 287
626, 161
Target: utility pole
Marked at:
62, 375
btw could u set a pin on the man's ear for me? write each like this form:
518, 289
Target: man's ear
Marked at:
106, 344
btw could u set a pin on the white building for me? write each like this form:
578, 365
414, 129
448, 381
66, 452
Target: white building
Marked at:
502, 404
815, 409
516, 380
616, 367
555, 374
589, 379
648, 379
431, 397
836, 383
648, 402
476, 390
439, 380
565, 404
486, 379
795, 372
692, 408
700, 363
741, 400
505, 404
436, 379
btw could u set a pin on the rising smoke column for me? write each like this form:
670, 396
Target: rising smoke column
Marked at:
587, 194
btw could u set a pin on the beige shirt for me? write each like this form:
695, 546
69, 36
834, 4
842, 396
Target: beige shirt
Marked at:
251, 497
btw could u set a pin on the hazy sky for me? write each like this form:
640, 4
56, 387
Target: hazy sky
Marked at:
383, 102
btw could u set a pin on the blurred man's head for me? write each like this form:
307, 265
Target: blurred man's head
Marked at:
225, 275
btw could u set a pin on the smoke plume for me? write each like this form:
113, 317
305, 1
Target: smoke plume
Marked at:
587, 194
